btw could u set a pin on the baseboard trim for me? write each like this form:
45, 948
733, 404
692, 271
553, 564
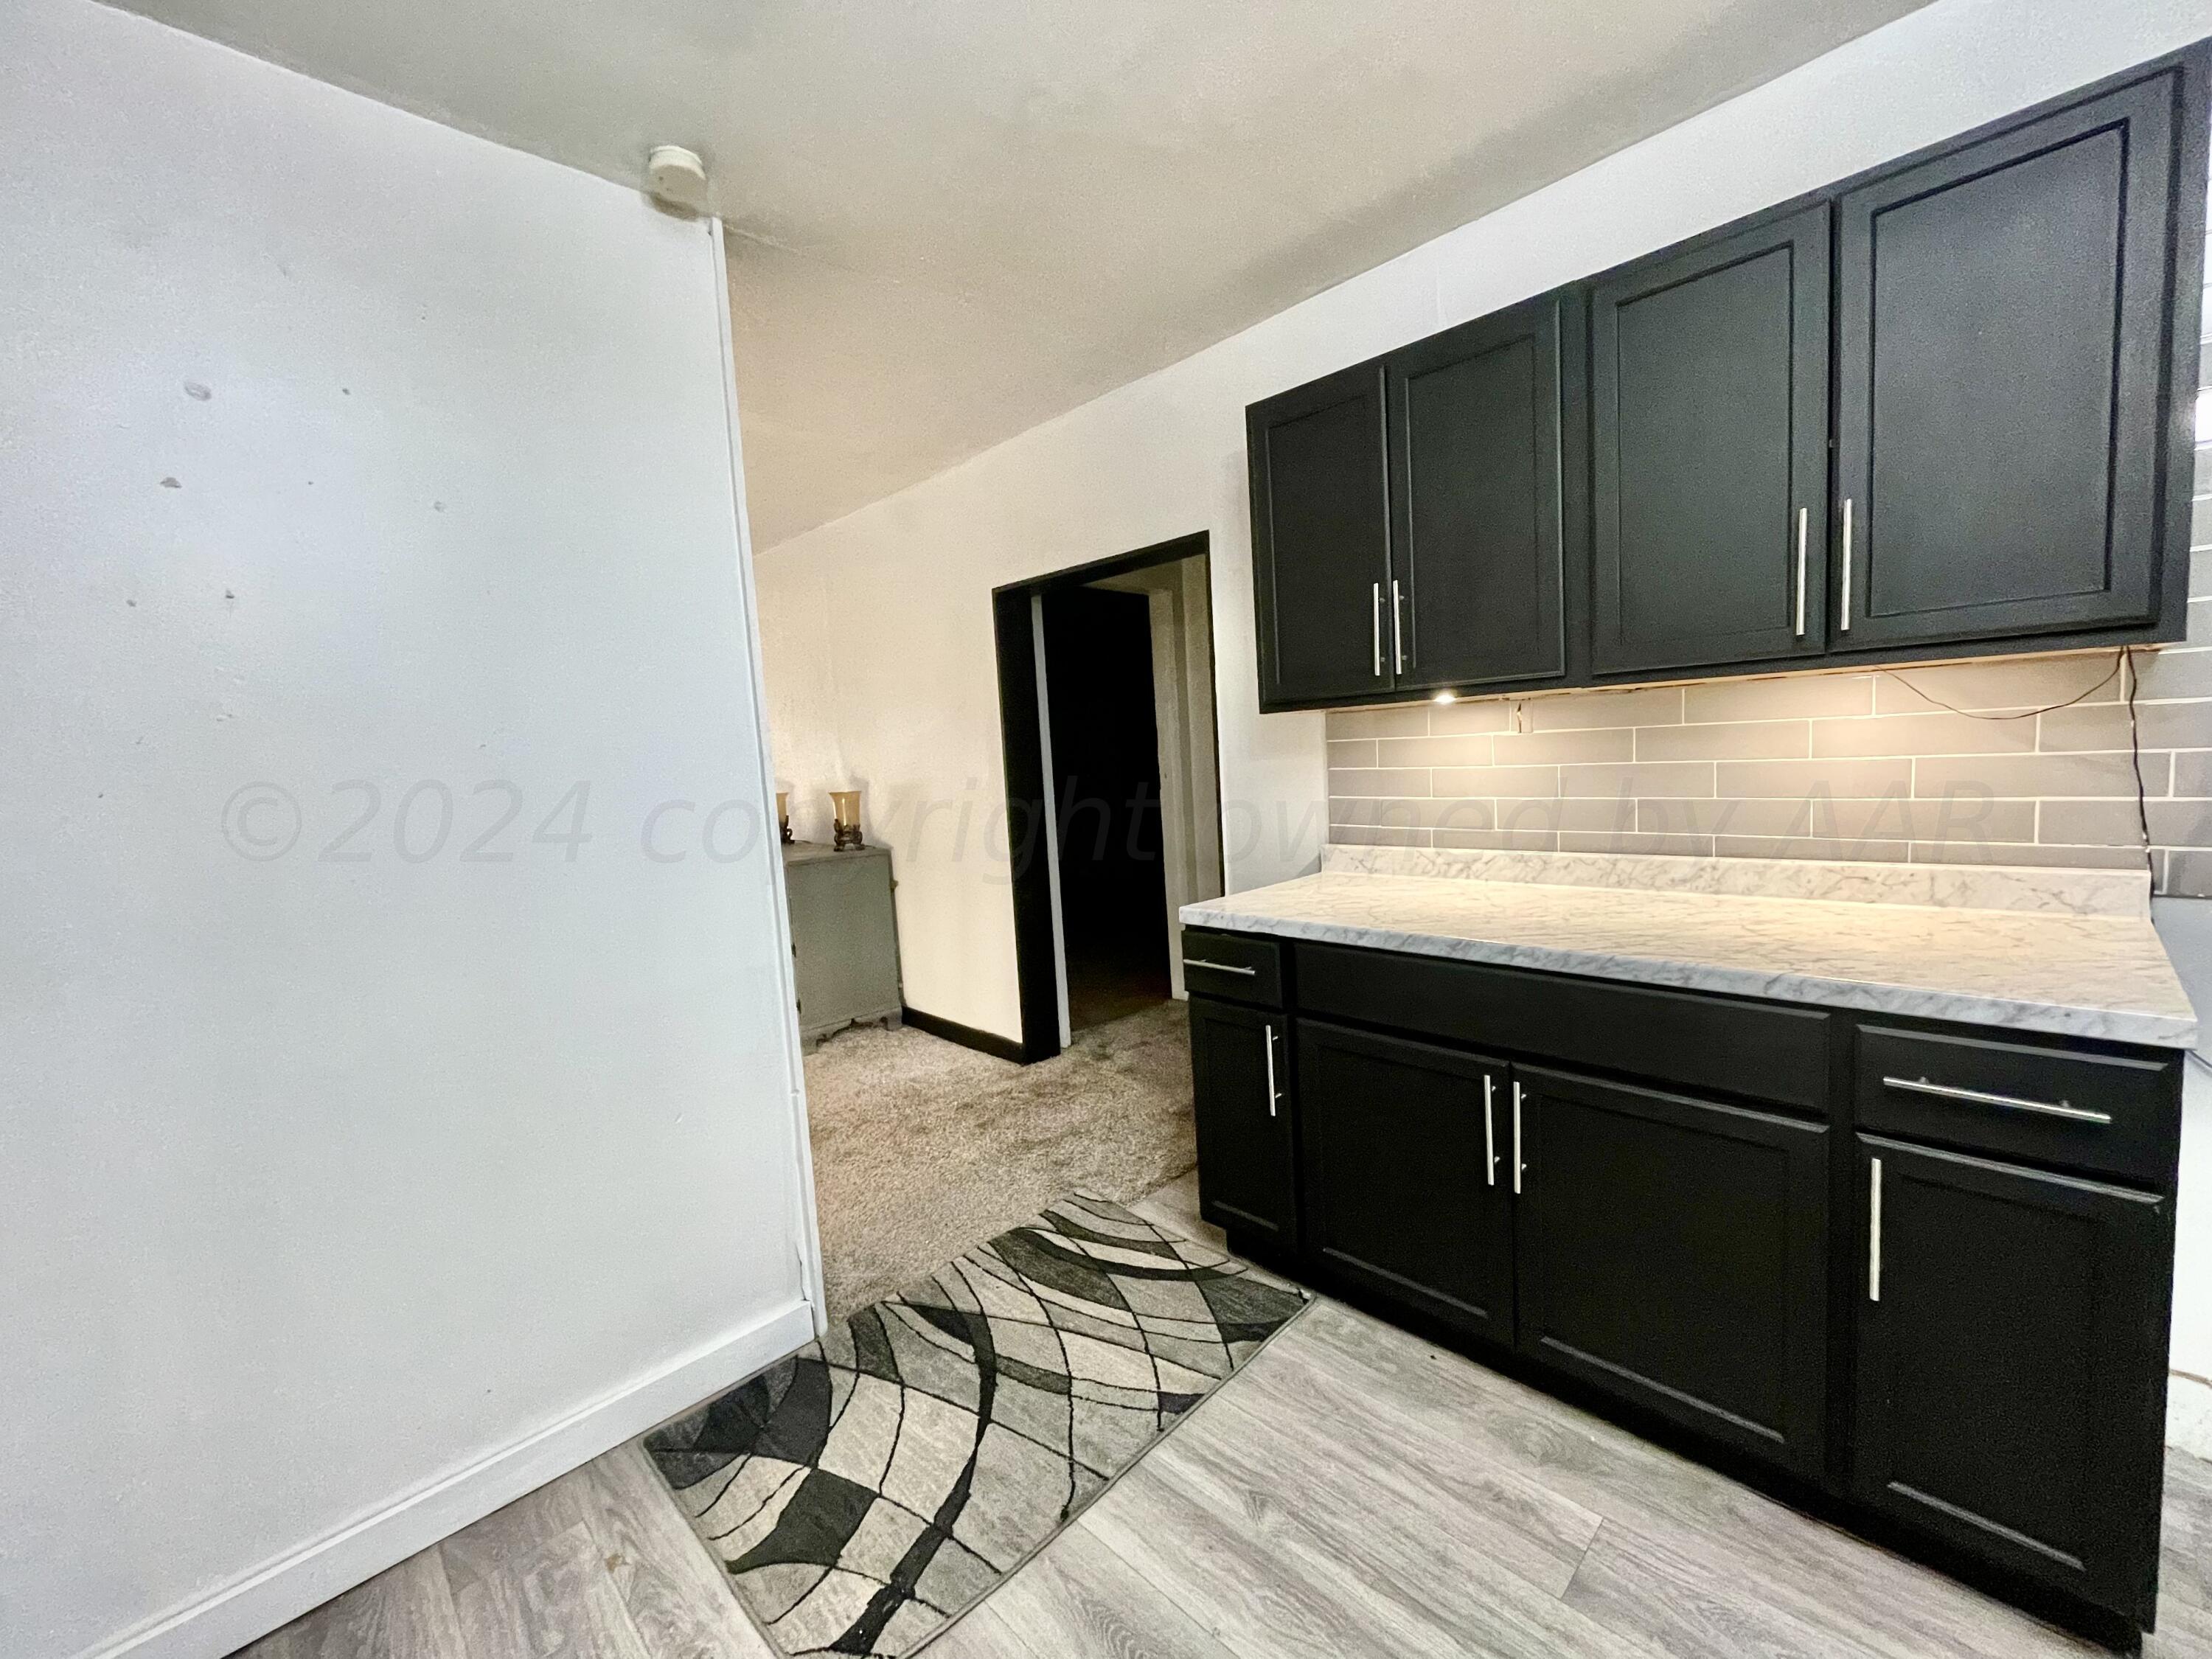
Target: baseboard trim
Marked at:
988, 1042
2189, 1414
281, 1589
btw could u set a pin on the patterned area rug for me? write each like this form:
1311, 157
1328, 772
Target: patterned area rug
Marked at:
878, 1483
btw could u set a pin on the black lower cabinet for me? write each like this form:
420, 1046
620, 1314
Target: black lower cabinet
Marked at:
2011, 1366
1916, 1274
1674, 1252
1407, 1191
1239, 1061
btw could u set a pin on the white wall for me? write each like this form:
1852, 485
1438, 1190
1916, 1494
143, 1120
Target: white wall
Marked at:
340, 1201
877, 626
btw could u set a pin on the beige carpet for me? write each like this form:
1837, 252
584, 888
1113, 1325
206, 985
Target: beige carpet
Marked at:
923, 1149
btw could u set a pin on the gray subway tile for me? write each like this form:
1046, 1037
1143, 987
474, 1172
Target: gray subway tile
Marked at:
2090, 728
1667, 778
2192, 772
1892, 818
1922, 734
1453, 719
2176, 671
1513, 841
1957, 852
1725, 740
1618, 841
1784, 846
1411, 721
1791, 696
1433, 752
1346, 753
1799, 779
1575, 744
1380, 781
1657, 705
2026, 777
1519, 781
2089, 824
2188, 873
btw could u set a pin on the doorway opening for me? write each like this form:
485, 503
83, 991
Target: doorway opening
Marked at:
1113, 783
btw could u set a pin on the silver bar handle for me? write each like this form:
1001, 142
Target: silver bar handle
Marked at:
1220, 967
1397, 627
1489, 1129
2009, 1103
1378, 631
1519, 1168
1273, 1093
1804, 514
1874, 1232
1847, 565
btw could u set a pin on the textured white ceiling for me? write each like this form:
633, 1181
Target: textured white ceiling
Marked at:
953, 219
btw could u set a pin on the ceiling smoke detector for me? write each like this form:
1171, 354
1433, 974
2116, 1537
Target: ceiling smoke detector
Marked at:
675, 178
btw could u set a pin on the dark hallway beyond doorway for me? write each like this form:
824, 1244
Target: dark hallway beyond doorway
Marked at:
1106, 789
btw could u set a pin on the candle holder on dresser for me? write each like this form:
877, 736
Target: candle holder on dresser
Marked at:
845, 811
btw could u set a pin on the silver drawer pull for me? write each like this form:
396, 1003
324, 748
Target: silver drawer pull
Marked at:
1519, 1169
2010, 1102
1847, 564
1489, 1126
1874, 1232
1804, 515
1220, 967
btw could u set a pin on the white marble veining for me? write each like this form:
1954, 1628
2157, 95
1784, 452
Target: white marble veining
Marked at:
2058, 889
2091, 975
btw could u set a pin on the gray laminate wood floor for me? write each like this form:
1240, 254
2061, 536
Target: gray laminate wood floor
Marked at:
1353, 1493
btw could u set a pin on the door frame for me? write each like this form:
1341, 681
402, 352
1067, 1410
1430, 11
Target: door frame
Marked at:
1031, 851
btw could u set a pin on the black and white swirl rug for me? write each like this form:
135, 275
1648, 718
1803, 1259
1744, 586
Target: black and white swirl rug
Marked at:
880, 1482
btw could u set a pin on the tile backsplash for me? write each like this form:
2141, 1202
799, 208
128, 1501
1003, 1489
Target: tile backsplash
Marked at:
1865, 765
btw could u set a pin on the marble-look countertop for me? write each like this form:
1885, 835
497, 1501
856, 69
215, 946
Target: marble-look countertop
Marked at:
2091, 976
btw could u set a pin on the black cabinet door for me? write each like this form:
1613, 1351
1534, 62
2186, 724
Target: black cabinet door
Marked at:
1674, 1252
1407, 1190
1321, 533
2012, 1332
2000, 319
1709, 449
1474, 502
1240, 1078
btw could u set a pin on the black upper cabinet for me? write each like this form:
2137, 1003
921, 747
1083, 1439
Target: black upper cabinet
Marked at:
1407, 1188
1709, 445
1673, 1251
1240, 1073
1476, 537
1321, 563
2011, 1346
2000, 323
1944, 408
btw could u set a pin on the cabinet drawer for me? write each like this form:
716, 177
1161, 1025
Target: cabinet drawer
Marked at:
2112, 1114
1758, 1050
1241, 967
